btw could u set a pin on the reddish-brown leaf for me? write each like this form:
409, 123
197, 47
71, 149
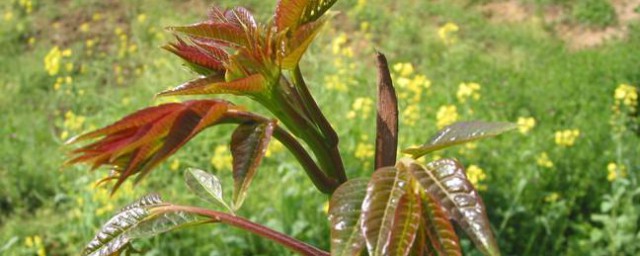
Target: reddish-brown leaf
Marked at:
249, 143
140, 141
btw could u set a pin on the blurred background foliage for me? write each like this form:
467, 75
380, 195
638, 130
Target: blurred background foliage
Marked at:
565, 70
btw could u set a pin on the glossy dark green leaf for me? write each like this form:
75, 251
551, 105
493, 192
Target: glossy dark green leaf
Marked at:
345, 209
386, 211
205, 185
460, 133
445, 181
249, 143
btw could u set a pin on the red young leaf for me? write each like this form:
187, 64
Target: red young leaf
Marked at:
219, 32
142, 140
439, 231
249, 143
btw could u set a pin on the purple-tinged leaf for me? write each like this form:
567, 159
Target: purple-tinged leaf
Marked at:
406, 224
206, 186
439, 231
345, 209
445, 181
460, 133
382, 211
249, 143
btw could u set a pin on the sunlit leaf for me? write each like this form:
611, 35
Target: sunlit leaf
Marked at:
205, 185
249, 143
216, 85
211, 59
114, 236
292, 13
142, 140
445, 181
300, 42
459, 133
386, 211
219, 32
345, 209
137, 220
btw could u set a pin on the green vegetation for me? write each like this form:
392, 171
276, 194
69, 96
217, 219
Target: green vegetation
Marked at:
595, 13
577, 195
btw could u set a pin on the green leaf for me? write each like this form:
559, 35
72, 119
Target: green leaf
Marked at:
345, 209
205, 185
459, 133
389, 218
144, 218
447, 183
248, 145
114, 236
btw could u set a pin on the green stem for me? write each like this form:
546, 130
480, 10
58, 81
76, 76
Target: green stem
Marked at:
330, 141
280, 238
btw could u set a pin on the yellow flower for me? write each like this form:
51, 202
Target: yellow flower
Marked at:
447, 33
96, 16
325, 207
52, 61
274, 148
8, 16
446, 115
551, 198
142, 17
466, 91
175, 165
333, 82
31, 41
361, 106
72, 121
403, 69
336, 44
364, 151
28, 242
476, 175
410, 115
525, 124
84, 27
627, 95
567, 138
615, 171
544, 161
221, 158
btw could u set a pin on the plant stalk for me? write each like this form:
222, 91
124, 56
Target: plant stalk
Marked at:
238, 222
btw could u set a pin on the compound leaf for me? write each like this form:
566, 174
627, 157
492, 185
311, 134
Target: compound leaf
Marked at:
205, 185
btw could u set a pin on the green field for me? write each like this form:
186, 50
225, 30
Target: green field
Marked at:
566, 185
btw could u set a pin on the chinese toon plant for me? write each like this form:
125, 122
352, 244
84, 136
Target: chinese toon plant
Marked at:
404, 208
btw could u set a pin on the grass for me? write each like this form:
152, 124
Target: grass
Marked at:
523, 68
